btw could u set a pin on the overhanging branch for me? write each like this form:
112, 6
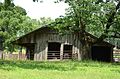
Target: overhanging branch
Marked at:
109, 23
115, 36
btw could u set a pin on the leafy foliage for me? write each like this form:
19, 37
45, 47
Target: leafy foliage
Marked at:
94, 16
98, 17
14, 23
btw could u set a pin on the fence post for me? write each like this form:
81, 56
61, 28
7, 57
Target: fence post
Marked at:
20, 53
1, 54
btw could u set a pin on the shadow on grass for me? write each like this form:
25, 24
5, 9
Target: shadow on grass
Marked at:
12, 65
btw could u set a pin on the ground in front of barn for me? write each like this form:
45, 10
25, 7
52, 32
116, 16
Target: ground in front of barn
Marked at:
10, 69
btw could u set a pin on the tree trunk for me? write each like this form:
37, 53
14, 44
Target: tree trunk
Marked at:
85, 50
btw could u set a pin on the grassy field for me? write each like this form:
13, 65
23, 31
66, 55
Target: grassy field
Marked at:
58, 70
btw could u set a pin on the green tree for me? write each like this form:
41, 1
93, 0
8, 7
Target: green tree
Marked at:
14, 22
45, 20
99, 17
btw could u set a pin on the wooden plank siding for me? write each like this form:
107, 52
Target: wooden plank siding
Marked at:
42, 41
41, 37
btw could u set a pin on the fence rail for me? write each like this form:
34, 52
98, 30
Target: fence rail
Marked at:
14, 56
116, 55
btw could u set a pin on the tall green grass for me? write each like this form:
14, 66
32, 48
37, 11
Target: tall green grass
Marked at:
58, 70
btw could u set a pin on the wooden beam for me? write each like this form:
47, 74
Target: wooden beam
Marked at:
61, 51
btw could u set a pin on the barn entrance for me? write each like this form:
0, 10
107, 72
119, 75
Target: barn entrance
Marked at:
53, 50
67, 52
101, 53
30, 51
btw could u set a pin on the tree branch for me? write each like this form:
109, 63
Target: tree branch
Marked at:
109, 23
115, 36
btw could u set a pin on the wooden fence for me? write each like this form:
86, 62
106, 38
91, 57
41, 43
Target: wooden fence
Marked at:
116, 55
14, 56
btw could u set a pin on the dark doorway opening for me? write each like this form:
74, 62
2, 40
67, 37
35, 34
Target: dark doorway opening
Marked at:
67, 52
101, 53
30, 52
53, 50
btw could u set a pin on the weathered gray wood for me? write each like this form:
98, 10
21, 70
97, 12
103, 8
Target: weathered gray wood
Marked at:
42, 40
61, 51
1, 54
43, 36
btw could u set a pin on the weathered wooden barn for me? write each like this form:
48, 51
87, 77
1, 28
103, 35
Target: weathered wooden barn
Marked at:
46, 44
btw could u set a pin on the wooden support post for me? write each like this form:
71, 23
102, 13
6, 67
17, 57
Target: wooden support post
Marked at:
20, 53
1, 54
46, 50
61, 51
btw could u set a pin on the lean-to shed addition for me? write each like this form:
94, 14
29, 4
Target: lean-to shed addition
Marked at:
46, 44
